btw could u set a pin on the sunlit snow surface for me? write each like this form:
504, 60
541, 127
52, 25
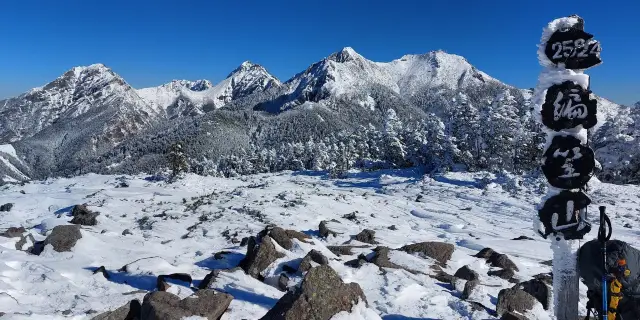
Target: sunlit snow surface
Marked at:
456, 208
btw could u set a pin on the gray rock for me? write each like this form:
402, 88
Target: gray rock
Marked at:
392, 227
466, 273
366, 236
63, 237
162, 284
324, 230
259, 256
315, 256
538, 289
6, 207
321, 295
13, 232
341, 250
505, 274
468, 288
356, 263
514, 300
160, 305
485, 253
283, 282
25, 243
130, 311
284, 237
522, 238
126, 232
442, 277
83, 216
381, 258
439, 251
244, 241
209, 279
502, 261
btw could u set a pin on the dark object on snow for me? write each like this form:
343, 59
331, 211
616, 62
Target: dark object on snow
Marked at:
130, 311
13, 232
259, 256
155, 178
167, 306
567, 163
567, 106
505, 274
162, 284
590, 268
419, 198
392, 227
63, 238
6, 207
437, 250
341, 250
573, 47
366, 236
26, 242
314, 256
466, 273
104, 272
627, 225
324, 230
357, 263
209, 279
497, 259
442, 277
244, 241
553, 215
522, 238
83, 216
514, 300
284, 237
351, 216
321, 295
126, 232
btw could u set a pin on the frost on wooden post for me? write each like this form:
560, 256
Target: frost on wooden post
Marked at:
565, 107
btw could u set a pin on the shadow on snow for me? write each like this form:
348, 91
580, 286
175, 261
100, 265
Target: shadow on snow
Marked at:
228, 261
251, 297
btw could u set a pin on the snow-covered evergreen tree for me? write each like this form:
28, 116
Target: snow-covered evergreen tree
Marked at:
395, 153
177, 160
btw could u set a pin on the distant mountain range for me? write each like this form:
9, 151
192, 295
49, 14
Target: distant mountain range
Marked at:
91, 119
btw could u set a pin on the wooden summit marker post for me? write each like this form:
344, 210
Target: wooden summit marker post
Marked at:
565, 106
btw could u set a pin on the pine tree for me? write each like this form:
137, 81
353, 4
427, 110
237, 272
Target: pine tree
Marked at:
177, 160
395, 153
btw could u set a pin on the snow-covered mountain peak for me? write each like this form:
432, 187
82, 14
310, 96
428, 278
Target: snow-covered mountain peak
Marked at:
344, 55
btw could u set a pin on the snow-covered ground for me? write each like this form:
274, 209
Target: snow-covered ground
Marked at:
179, 227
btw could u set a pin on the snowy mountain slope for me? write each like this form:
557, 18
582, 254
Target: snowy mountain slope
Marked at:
347, 73
77, 92
172, 235
189, 98
12, 168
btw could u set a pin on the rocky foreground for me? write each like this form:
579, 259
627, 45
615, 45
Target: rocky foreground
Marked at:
278, 247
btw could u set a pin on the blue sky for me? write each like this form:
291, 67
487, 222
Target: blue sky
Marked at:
152, 42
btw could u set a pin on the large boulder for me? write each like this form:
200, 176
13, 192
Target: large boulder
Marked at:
284, 237
63, 237
497, 259
130, 311
321, 295
505, 274
366, 236
312, 256
514, 299
259, 256
439, 251
83, 216
469, 286
160, 305
13, 232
